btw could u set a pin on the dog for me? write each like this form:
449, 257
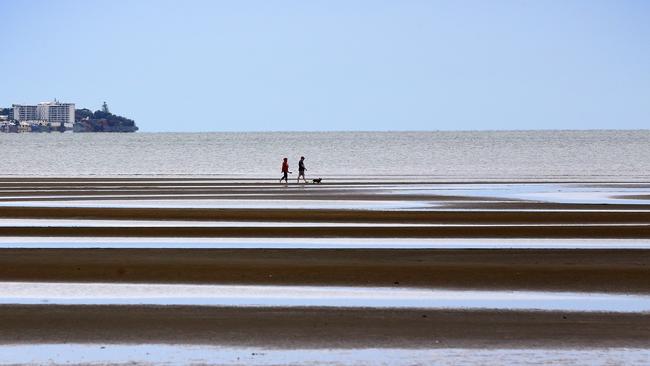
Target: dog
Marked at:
317, 181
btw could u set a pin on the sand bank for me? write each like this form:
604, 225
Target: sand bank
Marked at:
521, 231
329, 215
620, 271
320, 327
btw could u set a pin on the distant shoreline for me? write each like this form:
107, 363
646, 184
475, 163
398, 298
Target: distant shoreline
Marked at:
54, 116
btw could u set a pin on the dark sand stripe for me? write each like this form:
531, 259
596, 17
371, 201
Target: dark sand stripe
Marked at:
329, 215
321, 327
551, 231
210, 195
596, 270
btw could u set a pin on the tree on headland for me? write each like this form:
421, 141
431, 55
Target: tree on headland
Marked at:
80, 114
102, 121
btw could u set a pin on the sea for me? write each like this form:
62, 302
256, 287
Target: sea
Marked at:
599, 155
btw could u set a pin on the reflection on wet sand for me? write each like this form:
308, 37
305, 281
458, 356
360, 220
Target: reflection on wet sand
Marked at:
36, 242
99, 354
27, 293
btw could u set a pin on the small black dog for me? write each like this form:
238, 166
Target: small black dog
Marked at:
317, 181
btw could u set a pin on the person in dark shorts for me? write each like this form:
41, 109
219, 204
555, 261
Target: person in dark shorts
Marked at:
285, 171
301, 169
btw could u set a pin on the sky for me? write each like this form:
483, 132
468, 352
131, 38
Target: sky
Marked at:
267, 65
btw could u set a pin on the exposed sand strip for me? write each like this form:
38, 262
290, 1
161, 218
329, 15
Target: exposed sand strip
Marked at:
633, 197
329, 215
320, 327
183, 195
551, 231
601, 270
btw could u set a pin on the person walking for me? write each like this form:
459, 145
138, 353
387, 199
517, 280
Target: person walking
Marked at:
285, 171
301, 169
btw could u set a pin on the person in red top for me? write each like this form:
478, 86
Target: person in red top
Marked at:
285, 171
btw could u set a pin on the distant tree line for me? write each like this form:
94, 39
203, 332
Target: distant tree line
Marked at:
102, 121
110, 117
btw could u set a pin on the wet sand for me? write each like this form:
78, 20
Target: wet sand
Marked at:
449, 214
634, 197
320, 327
602, 270
549, 231
535, 215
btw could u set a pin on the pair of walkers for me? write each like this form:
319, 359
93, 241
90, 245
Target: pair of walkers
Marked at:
301, 170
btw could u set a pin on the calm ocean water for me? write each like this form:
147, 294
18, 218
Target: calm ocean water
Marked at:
516, 155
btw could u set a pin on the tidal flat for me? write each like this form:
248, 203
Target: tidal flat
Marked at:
188, 266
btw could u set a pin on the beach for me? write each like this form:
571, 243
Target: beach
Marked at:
342, 265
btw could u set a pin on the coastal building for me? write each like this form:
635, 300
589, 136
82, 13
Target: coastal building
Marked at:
56, 113
51, 112
24, 126
24, 112
8, 114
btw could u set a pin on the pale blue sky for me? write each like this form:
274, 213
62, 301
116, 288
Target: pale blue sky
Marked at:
335, 65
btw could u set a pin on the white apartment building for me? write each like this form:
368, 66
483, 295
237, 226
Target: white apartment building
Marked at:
55, 112
52, 112
24, 112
